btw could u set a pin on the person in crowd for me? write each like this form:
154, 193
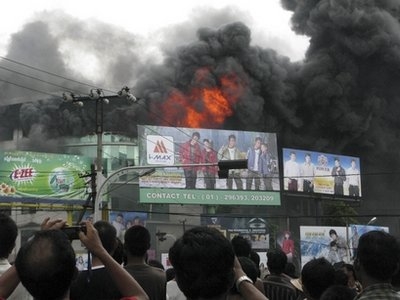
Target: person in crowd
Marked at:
337, 248
190, 153
251, 270
156, 263
152, 280
307, 172
354, 241
276, 263
209, 156
292, 172
352, 281
376, 263
317, 275
339, 177
96, 282
241, 246
206, 267
8, 235
46, 265
265, 167
231, 152
337, 292
354, 179
173, 291
253, 165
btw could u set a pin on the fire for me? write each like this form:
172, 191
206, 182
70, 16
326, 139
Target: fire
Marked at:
203, 106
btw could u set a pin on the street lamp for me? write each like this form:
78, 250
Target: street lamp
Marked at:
99, 98
372, 221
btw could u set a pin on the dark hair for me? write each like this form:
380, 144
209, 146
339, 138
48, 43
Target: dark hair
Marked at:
338, 292
107, 234
258, 139
276, 261
341, 277
317, 275
249, 267
378, 252
350, 268
119, 253
155, 263
137, 240
232, 136
8, 235
203, 260
46, 265
290, 270
241, 246
307, 154
332, 231
170, 274
196, 134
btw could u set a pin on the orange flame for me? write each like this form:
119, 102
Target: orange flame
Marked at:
203, 107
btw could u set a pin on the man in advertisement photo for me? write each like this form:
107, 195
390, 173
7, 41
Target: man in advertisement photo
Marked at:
231, 152
190, 153
253, 165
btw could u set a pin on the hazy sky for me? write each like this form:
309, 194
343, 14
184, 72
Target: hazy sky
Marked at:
269, 23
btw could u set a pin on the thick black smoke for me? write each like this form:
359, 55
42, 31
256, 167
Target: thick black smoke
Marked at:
343, 98
348, 91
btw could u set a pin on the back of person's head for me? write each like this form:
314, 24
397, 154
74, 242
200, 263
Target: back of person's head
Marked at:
46, 265
203, 260
137, 240
341, 277
317, 275
276, 261
241, 246
155, 263
249, 267
255, 257
379, 254
170, 274
290, 270
107, 234
338, 292
8, 235
119, 253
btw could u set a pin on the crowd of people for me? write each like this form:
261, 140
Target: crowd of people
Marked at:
206, 265
260, 163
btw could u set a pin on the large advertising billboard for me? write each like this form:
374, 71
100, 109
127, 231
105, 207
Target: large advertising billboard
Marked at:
336, 243
189, 173
42, 177
316, 172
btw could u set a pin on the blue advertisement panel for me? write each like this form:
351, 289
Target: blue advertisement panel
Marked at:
316, 172
189, 166
335, 243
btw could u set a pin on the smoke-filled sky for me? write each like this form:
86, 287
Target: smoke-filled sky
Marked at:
334, 90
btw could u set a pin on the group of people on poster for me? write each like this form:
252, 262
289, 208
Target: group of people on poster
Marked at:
261, 163
305, 173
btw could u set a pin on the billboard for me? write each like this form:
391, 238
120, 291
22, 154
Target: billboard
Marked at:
336, 244
253, 229
316, 172
186, 170
42, 177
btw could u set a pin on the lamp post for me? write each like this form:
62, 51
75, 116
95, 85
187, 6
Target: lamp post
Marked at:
99, 98
372, 221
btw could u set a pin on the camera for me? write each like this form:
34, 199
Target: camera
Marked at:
72, 232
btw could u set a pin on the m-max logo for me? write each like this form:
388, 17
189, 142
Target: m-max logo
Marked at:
160, 147
160, 150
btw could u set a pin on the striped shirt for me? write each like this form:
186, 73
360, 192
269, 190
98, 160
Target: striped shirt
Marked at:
379, 291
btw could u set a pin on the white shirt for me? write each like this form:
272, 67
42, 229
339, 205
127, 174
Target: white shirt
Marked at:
353, 176
20, 293
173, 291
292, 169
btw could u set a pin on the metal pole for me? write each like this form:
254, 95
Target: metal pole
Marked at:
99, 157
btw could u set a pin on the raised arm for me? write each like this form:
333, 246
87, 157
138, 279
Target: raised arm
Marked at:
126, 284
248, 290
9, 280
